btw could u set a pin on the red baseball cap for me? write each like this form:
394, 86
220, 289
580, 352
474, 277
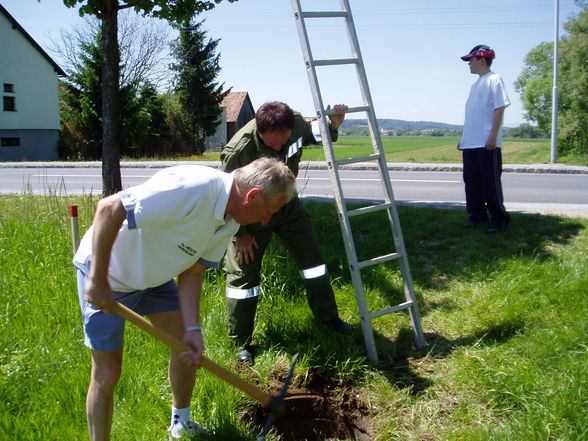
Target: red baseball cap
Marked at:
480, 50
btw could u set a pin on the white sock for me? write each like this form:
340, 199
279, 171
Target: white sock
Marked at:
181, 415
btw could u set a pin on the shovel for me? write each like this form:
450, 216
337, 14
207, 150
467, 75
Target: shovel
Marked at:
274, 403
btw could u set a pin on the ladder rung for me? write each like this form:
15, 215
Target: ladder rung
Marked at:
372, 157
335, 61
377, 260
324, 14
349, 110
370, 209
400, 307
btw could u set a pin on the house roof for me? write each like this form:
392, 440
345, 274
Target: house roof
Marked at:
234, 102
18, 27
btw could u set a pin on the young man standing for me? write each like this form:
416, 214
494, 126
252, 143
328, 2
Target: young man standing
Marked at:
481, 143
177, 223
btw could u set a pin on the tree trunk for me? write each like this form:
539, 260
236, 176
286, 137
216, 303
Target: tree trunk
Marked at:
111, 181
199, 145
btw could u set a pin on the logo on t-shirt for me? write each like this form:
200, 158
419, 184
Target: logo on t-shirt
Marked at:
187, 249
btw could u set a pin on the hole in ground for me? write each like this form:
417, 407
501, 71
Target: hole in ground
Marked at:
314, 413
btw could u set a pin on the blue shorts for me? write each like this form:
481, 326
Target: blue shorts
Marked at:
105, 332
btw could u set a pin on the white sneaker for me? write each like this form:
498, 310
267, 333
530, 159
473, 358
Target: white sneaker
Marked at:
178, 429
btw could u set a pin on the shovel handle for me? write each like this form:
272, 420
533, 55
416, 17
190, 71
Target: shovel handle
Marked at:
178, 346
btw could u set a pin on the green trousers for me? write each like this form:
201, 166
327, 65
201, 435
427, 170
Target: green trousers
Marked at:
292, 224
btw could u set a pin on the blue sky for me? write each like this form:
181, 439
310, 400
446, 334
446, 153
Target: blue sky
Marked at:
410, 49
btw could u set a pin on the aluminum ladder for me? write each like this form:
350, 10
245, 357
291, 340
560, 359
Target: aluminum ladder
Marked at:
334, 165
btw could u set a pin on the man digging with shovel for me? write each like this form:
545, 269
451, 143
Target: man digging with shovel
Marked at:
177, 223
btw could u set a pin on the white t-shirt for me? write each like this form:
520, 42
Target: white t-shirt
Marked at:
487, 94
174, 219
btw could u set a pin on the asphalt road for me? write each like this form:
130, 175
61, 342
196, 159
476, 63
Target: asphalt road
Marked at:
547, 193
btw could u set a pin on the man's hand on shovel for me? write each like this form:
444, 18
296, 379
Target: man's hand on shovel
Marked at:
99, 294
195, 343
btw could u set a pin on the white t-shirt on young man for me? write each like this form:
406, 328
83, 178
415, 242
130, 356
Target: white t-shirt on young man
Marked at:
486, 95
174, 219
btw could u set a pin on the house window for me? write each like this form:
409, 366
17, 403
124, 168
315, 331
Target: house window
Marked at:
10, 142
9, 104
8, 88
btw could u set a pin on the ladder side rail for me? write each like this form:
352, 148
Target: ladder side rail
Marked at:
318, 104
406, 276
366, 94
377, 142
338, 193
325, 134
362, 78
401, 249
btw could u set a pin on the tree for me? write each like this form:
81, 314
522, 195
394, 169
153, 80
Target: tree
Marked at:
536, 80
142, 118
573, 128
535, 83
80, 109
525, 130
196, 67
143, 42
107, 12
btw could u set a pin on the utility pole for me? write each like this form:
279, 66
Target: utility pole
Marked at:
554, 100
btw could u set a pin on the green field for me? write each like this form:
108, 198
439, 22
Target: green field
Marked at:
432, 149
426, 149
504, 318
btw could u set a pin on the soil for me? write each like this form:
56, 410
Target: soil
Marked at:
318, 409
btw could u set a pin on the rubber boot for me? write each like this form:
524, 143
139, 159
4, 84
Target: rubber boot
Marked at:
321, 298
241, 319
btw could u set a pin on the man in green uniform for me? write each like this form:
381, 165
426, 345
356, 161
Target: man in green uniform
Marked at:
277, 132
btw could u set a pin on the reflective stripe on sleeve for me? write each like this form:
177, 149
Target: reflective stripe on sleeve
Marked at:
240, 294
316, 130
294, 148
313, 273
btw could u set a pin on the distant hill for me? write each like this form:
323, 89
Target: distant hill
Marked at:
393, 124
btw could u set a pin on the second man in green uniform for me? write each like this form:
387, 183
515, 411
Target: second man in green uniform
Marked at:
277, 132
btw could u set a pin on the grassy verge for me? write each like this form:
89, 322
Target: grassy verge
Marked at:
504, 317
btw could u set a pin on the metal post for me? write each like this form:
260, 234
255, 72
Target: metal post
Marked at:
555, 96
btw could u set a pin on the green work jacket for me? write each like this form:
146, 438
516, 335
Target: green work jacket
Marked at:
246, 146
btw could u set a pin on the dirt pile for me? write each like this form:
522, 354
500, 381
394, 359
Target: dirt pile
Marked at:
317, 409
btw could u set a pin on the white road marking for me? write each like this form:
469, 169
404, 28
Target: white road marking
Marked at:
302, 178
87, 176
377, 180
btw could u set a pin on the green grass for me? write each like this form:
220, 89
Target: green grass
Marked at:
504, 318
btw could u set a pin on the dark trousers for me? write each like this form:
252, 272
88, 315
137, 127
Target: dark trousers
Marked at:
482, 170
293, 225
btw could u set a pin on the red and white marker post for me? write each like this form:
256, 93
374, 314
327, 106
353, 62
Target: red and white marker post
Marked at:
75, 231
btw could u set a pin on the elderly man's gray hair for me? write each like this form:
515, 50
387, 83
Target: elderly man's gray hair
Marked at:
271, 175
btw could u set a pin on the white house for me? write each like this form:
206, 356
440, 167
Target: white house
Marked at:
29, 113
